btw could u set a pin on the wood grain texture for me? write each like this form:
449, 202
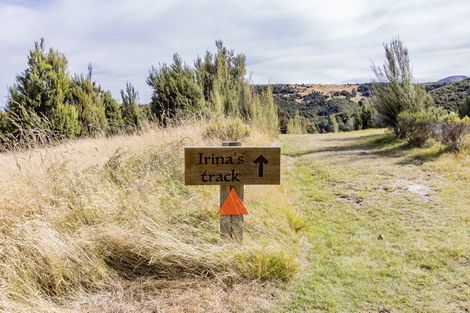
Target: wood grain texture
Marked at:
232, 165
231, 226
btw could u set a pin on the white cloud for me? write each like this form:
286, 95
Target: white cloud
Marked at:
284, 41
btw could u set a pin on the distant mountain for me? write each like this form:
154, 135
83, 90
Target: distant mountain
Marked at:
453, 78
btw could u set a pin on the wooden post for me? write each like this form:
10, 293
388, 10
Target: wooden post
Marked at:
231, 226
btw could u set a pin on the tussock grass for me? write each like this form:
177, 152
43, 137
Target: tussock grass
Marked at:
227, 129
81, 218
266, 265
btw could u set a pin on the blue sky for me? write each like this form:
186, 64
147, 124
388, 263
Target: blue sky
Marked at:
285, 41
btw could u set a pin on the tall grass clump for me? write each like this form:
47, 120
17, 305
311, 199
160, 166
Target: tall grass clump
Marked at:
228, 130
296, 125
266, 265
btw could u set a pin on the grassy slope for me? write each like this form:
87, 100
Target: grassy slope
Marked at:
107, 225
390, 226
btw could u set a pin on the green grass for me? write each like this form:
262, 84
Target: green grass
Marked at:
386, 141
373, 246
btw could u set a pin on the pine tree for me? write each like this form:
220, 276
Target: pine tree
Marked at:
85, 96
38, 97
133, 119
175, 91
113, 113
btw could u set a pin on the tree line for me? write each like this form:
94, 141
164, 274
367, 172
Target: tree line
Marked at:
47, 104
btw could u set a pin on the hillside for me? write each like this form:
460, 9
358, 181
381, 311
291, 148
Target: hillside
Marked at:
317, 102
450, 95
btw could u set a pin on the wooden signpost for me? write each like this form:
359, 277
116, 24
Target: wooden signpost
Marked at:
232, 166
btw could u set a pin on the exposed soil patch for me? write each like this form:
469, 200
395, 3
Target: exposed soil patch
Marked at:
406, 185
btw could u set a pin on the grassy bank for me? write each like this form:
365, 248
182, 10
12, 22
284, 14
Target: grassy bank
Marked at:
107, 224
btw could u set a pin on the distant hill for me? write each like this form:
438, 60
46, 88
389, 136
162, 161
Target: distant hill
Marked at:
453, 78
317, 102
450, 95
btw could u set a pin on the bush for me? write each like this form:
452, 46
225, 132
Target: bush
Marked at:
453, 130
91, 111
113, 113
228, 130
132, 116
175, 90
216, 86
64, 119
417, 127
394, 90
464, 109
38, 94
333, 126
296, 125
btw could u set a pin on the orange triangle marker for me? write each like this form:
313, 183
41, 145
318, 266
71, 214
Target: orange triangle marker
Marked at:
233, 205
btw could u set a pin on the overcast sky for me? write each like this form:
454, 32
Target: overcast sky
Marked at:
308, 41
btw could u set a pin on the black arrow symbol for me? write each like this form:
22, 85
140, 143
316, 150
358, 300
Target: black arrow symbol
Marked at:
261, 160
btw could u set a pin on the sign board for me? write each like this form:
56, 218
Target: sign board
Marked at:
231, 165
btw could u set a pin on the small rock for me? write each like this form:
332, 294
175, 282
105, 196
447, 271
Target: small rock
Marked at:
380, 237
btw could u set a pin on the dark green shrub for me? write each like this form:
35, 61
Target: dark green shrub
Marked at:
133, 118
90, 108
175, 90
37, 99
215, 87
464, 109
113, 113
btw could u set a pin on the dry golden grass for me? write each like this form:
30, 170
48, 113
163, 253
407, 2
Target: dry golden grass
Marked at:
107, 225
327, 89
